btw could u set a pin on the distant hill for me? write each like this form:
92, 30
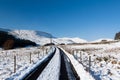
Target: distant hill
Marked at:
42, 38
117, 36
69, 40
39, 37
103, 39
8, 41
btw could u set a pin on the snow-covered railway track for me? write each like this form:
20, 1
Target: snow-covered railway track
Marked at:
33, 75
56, 67
67, 71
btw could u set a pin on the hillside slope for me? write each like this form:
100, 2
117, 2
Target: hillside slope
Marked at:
8, 41
42, 38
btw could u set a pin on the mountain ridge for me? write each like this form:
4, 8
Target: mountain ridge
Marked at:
41, 37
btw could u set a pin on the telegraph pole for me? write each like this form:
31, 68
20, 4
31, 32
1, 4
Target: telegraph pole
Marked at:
51, 41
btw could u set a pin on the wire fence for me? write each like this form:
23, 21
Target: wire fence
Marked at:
13, 60
81, 56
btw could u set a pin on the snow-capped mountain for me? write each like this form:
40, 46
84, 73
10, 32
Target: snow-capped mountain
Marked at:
35, 36
42, 37
70, 40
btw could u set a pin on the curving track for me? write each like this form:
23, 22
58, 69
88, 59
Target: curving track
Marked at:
67, 71
33, 75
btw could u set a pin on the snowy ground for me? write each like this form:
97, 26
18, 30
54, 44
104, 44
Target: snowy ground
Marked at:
23, 65
23, 60
105, 59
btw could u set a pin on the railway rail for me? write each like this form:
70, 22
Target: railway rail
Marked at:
67, 71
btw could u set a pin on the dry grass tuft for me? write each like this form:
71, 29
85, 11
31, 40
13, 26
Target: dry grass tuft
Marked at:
114, 62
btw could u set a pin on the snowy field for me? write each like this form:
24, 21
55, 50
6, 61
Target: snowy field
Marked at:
25, 57
24, 64
105, 59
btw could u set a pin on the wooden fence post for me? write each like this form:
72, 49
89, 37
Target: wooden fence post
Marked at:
81, 57
43, 51
38, 55
14, 63
89, 63
46, 50
73, 52
30, 57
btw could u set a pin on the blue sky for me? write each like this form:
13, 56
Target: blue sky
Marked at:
87, 19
